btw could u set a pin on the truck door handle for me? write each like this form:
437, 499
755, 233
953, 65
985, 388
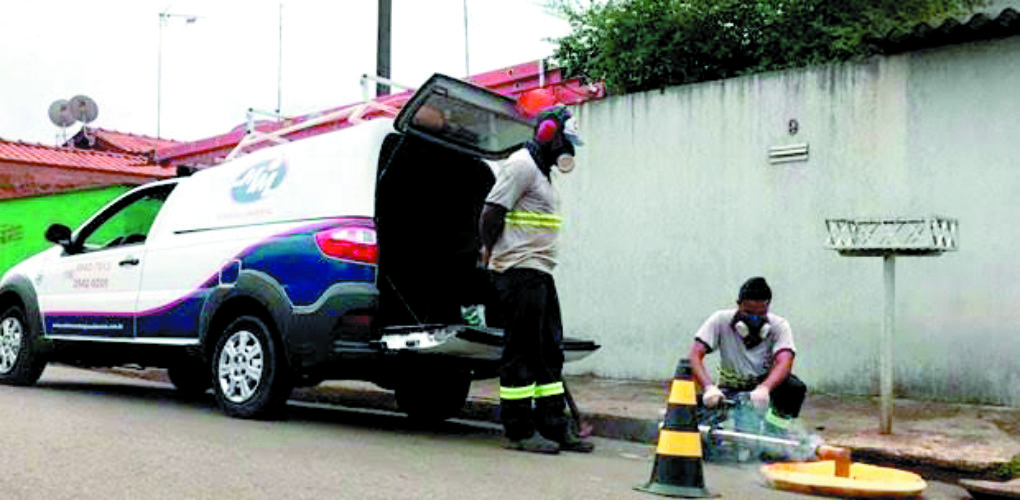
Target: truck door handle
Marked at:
130, 261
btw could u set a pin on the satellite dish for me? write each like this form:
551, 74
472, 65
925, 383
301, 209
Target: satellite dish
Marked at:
83, 108
60, 113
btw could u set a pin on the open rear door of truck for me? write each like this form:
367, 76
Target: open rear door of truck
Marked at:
433, 178
465, 118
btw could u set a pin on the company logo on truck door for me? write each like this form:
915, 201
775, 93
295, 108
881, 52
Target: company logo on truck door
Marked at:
259, 180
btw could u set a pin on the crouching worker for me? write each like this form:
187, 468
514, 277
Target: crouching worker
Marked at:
756, 356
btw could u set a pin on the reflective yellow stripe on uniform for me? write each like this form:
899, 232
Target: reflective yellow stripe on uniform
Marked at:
534, 219
509, 393
553, 389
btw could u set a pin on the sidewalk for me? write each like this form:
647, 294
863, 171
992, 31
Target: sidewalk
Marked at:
945, 439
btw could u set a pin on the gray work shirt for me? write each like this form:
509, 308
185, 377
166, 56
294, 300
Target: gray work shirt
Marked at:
532, 227
739, 367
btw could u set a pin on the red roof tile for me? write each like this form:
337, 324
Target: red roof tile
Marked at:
131, 143
38, 154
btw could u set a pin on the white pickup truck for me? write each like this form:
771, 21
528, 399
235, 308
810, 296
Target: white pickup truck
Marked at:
346, 255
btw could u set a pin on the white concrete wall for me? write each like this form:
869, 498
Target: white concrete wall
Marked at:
674, 204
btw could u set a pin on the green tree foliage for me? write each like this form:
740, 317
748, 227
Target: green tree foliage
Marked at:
636, 45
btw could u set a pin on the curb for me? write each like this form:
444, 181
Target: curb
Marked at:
647, 432
600, 425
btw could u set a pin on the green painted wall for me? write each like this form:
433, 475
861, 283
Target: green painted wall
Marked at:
23, 221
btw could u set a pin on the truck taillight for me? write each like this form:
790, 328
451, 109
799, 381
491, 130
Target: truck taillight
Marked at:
355, 243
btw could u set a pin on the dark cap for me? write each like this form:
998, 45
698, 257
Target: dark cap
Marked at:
755, 289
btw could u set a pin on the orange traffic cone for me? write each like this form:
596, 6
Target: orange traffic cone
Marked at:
678, 467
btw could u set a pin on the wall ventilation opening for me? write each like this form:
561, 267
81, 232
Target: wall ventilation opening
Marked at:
790, 153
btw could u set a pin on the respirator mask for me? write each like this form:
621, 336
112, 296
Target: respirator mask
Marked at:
752, 329
565, 161
557, 134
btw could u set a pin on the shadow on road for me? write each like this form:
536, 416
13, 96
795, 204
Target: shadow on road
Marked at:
332, 414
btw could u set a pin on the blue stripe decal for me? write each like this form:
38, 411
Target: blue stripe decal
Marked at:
305, 273
180, 321
293, 259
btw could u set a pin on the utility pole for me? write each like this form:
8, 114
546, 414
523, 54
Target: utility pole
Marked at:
382, 60
467, 66
163, 18
279, 66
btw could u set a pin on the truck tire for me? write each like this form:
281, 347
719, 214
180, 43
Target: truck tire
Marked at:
251, 378
21, 363
433, 397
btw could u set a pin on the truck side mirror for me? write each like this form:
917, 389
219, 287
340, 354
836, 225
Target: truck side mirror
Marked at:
59, 234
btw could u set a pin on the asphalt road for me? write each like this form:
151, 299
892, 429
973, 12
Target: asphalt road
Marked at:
83, 435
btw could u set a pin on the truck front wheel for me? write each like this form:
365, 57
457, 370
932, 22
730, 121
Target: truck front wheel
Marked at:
20, 360
250, 374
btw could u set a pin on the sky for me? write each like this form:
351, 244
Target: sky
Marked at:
202, 76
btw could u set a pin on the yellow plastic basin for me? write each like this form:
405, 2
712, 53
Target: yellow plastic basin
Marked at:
865, 481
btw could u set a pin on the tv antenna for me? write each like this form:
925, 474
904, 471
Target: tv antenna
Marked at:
80, 108
83, 108
60, 115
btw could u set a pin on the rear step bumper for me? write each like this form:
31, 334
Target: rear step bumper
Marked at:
463, 341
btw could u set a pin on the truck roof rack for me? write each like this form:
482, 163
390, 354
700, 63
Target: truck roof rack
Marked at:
353, 115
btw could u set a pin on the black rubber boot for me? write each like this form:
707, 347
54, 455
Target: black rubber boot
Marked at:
556, 423
534, 444
517, 417
573, 442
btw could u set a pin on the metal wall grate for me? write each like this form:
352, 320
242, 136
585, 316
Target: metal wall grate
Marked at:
882, 236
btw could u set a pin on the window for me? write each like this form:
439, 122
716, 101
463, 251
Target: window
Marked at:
125, 223
465, 117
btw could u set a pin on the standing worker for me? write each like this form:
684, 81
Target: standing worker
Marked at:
756, 355
519, 229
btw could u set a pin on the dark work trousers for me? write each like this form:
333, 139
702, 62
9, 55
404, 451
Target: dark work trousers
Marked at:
532, 355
